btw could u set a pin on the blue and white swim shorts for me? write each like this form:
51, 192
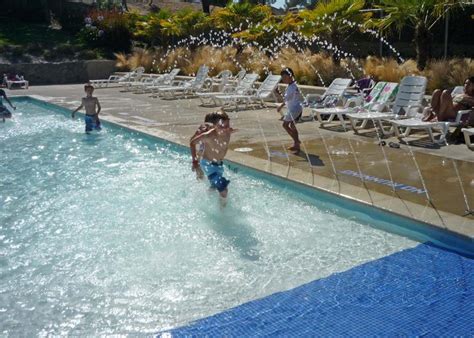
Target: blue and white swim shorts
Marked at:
92, 123
214, 172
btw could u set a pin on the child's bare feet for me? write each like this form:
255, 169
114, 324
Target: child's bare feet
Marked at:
223, 198
294, 147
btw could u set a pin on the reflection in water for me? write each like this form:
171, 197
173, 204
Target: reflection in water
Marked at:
93, 138
232, 224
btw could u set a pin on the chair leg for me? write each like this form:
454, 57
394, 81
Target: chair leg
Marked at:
342, 121
397, 132
318, 118
430, 132
382, 129
353, 123
444, 132
330, 118
467, 138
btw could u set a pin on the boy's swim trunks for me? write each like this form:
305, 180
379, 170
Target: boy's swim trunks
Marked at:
214, 172
92, 123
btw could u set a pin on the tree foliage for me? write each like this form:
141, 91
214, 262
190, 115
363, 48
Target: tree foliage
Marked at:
421, 15
333, 19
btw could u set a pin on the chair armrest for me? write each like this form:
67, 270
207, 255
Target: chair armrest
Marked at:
312, 100
314, 97
178, 83
354, 101
461, 113
114, 77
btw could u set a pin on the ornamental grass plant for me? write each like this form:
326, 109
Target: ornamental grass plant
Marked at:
317, 69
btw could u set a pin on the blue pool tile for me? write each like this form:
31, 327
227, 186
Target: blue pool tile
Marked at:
424, 291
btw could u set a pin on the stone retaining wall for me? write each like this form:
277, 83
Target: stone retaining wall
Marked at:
61, 73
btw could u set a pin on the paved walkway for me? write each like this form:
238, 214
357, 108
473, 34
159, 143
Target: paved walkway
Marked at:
433, 184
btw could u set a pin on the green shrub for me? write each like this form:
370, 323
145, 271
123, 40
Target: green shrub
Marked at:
34, 48
65, 49
108, 30
50, 55
88, 54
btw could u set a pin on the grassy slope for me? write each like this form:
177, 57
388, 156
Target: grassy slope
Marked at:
18, 33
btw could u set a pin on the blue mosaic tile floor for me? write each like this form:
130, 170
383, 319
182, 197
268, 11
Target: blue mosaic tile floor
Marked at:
424, 291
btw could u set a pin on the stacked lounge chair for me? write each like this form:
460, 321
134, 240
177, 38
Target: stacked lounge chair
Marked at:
120, 80
331, 96
186, 88
244, 87
380, 95
256, 98
148, 85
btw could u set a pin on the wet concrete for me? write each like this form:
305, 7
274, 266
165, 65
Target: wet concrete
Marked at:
434, 184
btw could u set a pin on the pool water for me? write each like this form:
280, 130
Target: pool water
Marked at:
111, 233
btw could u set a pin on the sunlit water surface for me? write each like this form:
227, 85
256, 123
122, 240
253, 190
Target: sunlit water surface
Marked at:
111, 233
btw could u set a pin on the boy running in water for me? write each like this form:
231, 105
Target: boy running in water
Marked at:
92, 106
4, 112
215, 143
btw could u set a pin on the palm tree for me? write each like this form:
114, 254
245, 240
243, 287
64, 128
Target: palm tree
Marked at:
338, 14
420, 15
241, 15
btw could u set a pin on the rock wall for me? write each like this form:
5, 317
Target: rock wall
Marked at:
61, 73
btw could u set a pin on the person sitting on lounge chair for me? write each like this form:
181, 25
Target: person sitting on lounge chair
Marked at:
444, 107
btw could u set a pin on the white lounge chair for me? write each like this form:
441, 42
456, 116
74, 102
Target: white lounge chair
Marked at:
235, 80
131, 85
147, 85
244, 87
132, 76
416, 122
186, 88
409, 97
381, 94
222, 79
468, 132
457, 90
256, 98
333, 93
21, 83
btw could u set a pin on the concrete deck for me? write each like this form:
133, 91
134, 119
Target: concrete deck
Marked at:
436, 184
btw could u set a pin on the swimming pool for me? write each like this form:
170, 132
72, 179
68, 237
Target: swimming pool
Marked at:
111, 233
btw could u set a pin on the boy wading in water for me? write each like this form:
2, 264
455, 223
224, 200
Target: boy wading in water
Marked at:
293, 100
92, 106
215, 142
4, 112
210, 121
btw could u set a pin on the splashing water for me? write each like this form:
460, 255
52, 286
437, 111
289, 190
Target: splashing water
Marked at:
110, 233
